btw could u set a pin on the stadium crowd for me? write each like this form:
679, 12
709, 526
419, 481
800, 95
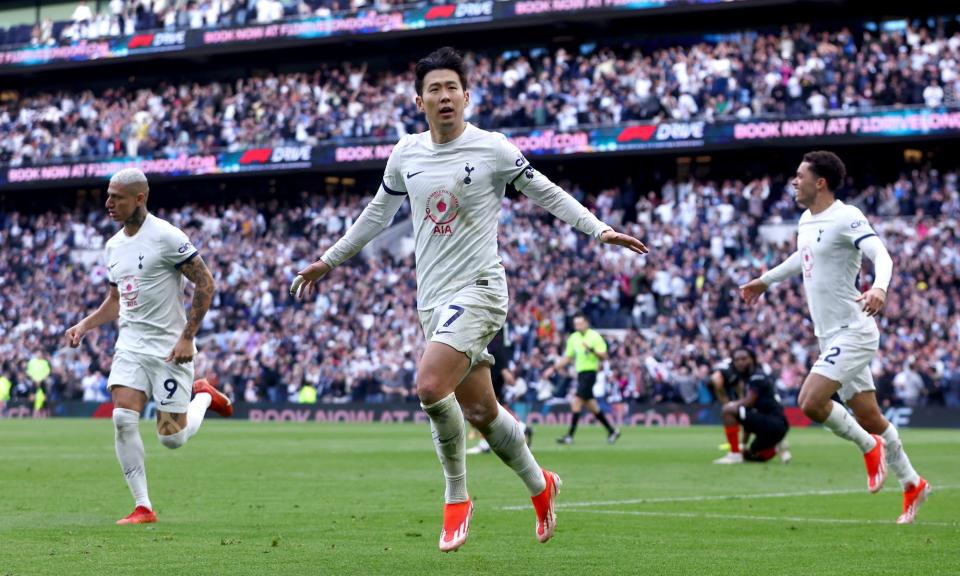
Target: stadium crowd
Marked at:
674, 315
798, 71
92, 20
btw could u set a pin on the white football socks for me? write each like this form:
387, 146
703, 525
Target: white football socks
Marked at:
505, 436
897, 458
130, 453
196, 411
841, 423
450, 439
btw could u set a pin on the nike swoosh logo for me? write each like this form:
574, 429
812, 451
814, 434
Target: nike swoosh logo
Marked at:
164, 403
409, 175
443, 332
112, 265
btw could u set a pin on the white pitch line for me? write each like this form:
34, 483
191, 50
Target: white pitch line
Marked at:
669, 499
708, 515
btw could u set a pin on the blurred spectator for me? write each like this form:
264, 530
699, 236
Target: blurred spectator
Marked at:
909, 385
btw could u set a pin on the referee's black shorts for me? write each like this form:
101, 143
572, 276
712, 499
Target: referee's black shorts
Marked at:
585, 382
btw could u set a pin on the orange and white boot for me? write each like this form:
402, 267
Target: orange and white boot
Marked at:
543, 504
140, 515
876, 465
913, 496
219, 402
456, 525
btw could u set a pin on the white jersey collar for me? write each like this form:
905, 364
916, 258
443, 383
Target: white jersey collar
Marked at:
451, 144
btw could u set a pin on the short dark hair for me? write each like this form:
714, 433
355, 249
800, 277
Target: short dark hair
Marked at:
828, 166
445, 58
748, 351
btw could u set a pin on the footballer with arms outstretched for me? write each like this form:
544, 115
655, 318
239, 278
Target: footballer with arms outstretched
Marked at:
831, 240
455, 175
147, 261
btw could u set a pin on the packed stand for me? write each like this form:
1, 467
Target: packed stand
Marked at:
747, 75
674, 315
128, 17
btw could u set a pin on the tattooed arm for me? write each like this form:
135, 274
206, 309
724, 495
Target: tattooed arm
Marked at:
197, 272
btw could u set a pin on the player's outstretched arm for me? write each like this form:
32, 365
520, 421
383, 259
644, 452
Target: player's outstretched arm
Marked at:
197, 272
752, 290
108, 311
515, 170
306, 280
558, 202
374, 218
620, 239
875, 298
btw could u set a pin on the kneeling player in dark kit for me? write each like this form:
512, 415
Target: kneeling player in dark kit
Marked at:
759, 412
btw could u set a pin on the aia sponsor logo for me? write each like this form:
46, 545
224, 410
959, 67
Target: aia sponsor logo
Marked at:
806, 260
442, 209
129, 287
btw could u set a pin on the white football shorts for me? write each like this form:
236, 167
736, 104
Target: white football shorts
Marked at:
470, 319
169, 384
846, 356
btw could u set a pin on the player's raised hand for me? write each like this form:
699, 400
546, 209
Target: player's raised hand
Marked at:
873, 300
625, 240
752, 290
75, 334
306, 279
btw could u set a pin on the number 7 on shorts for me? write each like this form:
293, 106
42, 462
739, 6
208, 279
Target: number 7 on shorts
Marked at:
457, 312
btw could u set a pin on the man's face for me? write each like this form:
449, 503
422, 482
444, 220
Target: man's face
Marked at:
443, 99
123, 201
742, 362
580, 324
807, 184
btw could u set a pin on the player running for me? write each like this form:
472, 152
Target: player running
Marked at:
830, 240
146, 262
455, 175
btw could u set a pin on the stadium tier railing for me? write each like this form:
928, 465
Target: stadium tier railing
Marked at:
363, 23
880, 125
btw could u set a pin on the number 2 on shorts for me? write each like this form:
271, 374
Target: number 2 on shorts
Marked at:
834, 352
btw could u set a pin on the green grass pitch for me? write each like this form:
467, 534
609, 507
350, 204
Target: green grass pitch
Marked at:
282, 498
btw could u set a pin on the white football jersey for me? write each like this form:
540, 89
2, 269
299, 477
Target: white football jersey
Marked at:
455, 191
145, 268
828, 244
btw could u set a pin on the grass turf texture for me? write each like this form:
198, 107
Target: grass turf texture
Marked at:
284, 498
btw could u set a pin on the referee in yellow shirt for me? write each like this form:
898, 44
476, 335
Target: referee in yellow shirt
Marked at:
588, 349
